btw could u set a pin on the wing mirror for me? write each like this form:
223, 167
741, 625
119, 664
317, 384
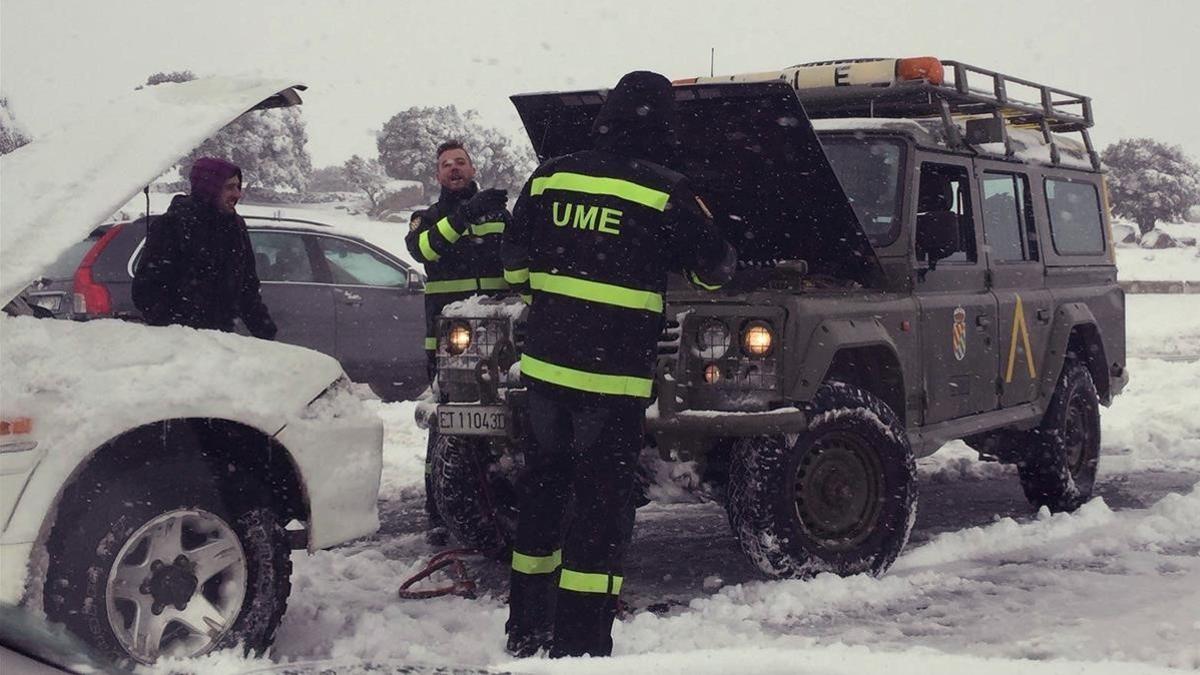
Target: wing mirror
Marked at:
416, 282
937, 235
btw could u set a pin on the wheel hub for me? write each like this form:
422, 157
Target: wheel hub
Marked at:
839, 486
171, 584
177, 585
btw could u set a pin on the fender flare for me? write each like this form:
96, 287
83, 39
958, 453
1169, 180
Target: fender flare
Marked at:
832, 336
1067, 319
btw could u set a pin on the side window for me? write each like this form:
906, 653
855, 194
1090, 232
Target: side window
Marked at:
1075, 222
947, 187
350, 263
281, 256
1007, 217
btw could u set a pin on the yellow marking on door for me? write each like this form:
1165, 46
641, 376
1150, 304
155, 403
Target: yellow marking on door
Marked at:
1019, 326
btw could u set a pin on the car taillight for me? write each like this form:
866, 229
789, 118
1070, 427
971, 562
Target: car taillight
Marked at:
92, 297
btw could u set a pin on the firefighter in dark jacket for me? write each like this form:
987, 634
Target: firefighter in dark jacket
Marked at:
197, 268
594, 235
458, 240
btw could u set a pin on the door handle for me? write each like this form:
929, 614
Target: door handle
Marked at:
1043, 316
349, 298
983, 321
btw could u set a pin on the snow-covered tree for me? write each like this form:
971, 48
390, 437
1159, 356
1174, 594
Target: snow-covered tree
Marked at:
173, 76
366, 175
268, 145
1150, 181
410, 138
330, 178
11, 134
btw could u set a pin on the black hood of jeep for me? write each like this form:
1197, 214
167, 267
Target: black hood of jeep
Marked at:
751, 153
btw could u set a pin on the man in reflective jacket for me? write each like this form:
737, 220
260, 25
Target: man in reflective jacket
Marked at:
458, 240
594, 236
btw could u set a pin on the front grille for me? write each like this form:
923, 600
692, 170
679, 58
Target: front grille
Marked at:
481, 372
713, 345
746, 373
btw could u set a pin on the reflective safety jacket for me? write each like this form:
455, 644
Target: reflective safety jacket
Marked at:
461, 258
594, 236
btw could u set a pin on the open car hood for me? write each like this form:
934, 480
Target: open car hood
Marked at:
54, 190
750, 151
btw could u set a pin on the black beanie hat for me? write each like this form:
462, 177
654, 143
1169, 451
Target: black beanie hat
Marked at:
641, 100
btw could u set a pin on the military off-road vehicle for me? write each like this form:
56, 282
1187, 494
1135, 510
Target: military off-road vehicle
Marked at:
924, 256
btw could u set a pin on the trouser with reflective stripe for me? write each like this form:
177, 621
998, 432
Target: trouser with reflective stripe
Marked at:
592, 454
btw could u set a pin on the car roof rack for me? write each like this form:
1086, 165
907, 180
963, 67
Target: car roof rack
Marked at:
926, 87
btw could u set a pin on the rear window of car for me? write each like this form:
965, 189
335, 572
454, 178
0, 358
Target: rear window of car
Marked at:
1076, 225
68, 261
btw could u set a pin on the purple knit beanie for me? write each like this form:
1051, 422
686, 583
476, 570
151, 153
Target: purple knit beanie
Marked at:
208, 175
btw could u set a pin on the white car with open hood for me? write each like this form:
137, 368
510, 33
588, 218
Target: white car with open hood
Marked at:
152, 478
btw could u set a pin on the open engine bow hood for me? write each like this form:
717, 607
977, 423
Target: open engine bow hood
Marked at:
59, 187
751, 153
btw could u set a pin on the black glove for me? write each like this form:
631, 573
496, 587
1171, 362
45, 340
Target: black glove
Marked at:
484, 203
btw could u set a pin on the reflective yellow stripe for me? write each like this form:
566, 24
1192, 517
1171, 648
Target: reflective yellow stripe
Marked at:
527, 298
427, 250
536, 564
482, 229
597, 383
451, 286
609, 294
492, 283
517, 276
590, 582
431, 343
596, 185
448, 230
696, 280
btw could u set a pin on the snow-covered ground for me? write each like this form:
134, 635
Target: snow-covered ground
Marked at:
1169, 264
986, 584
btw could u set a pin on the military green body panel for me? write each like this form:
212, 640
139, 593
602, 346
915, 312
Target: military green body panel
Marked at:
827, 339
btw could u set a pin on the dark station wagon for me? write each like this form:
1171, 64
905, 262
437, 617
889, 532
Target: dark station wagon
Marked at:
327, 290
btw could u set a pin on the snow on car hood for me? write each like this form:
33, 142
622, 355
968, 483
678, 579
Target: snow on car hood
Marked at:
54, 190
83, 380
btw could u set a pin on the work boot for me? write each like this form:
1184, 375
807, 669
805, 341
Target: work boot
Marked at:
525, 645
583, 624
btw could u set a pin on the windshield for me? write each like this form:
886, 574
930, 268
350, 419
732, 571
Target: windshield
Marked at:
869, 171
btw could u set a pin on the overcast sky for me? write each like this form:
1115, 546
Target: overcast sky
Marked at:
365, 61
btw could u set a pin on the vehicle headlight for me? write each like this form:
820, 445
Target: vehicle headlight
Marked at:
712, 373
712, 339
757, 338
459, 337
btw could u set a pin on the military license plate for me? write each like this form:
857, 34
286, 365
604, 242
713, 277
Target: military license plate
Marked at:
473, 420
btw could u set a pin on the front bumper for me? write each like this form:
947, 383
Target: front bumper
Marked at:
681, 423
340, 461
722, 423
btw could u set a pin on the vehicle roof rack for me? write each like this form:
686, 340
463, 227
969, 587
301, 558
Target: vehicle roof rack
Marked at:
926, 87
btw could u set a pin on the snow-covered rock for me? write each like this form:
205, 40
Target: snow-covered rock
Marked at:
1157, 239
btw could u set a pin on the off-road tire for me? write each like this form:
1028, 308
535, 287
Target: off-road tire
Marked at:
1058, 467
99, 515
851, 428
475, 496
